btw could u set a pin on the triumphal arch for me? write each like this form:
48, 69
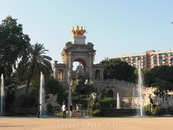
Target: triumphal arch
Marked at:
77, 50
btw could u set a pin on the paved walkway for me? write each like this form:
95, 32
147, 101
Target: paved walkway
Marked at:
32, 123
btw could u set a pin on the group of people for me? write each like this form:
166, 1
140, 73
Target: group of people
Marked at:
70, 109
64, 109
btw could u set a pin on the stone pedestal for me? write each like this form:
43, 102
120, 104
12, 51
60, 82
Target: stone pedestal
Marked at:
78, 39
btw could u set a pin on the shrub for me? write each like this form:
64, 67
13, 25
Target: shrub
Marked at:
29, 100
94, 112
156, 110
10, 97
108, 102
82, 101
148, 108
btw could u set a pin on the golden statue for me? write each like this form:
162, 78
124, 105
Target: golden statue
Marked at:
78, 30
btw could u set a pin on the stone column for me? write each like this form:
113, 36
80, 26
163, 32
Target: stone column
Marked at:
55, 71
69, 67
69, 61
90, 65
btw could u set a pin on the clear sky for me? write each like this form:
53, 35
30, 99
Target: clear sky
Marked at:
115, 27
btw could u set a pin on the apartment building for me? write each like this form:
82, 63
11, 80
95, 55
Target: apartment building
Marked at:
149, 59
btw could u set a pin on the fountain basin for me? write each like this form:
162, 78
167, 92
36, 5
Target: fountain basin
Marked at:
112, 112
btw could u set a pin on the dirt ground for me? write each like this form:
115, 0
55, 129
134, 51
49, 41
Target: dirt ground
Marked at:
33, 123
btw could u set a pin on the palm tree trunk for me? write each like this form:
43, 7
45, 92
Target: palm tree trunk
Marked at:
28, 84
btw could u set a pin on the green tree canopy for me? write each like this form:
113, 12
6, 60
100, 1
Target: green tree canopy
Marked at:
143, 72
158, 72
163, 87
33, 64
117, 69
160, 77
13, 44
54, 87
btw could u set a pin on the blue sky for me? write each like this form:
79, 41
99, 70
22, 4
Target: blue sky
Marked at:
115, 27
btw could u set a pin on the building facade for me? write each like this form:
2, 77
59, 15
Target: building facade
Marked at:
77, 50
149, 59
84, 53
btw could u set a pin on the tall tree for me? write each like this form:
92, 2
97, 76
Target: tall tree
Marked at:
117, 69
160, 77
33, 64
54, 87
159, 72
13, 44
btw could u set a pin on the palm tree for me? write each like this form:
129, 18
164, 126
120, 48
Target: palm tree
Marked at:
31, 65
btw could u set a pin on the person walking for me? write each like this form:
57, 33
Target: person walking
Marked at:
38, 110
77, 111
64, 110
70, 111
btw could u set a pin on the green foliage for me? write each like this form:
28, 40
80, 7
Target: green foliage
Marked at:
79, 98
35, 83
107, 102
33, 64
156, 110
13, 44
160, 77
143, 71
76, 90
148, 108
129, 96
54, 87
83, 101
23, 96
30, 100
91, 102
159, 72
9, 82
104, 93
9, 98
117, 69
94, 112
163, 87
89, 90
94, 104
10, 95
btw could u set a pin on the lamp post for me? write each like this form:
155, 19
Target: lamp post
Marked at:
70, 93
171, 61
